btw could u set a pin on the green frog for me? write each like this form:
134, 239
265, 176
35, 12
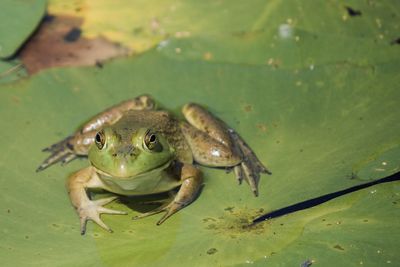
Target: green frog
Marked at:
135, 149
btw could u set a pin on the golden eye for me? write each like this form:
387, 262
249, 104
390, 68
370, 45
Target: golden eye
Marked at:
150, 141
100, 140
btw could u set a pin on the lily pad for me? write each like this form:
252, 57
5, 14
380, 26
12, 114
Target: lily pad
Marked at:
17, 21
319, 118
144, 24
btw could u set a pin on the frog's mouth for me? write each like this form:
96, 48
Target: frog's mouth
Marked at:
134, 175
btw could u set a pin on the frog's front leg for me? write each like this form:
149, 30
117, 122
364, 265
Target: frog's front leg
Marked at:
191, 184
215, 144
78, 144
88, 209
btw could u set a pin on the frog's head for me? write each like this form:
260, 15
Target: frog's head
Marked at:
127, 153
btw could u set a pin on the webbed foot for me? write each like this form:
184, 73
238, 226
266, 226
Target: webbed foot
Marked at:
91, 210
60, 152
251, 167
169, 210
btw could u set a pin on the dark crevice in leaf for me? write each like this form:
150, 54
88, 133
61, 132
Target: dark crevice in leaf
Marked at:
211, 251
322, 199
352, 12
395, 42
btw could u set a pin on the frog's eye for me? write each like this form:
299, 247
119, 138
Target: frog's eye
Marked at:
100, 140
151, 142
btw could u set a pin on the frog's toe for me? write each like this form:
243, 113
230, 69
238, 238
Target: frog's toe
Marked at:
146, 214
251, 167
248, 153
57, 146
250, 176
104, 201
64, 156
93, 210
60, 152
96, 219
238, 173
169, 210
68, 158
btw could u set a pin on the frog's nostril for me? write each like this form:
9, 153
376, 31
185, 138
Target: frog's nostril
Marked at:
125, 150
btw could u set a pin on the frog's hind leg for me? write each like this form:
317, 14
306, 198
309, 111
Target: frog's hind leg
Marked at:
215, 144
189, 190
78, 144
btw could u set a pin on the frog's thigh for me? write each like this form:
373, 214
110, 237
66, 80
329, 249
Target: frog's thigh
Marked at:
114, 113
81, 142
208, 151
206, 122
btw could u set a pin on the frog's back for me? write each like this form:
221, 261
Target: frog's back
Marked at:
161, 122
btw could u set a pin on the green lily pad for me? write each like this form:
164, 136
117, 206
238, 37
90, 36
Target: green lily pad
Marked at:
17, 21
310, 137
319, 118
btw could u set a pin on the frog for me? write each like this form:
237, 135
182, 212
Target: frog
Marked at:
135, 149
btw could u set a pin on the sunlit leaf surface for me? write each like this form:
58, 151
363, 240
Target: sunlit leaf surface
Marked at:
18, 19
315, 95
